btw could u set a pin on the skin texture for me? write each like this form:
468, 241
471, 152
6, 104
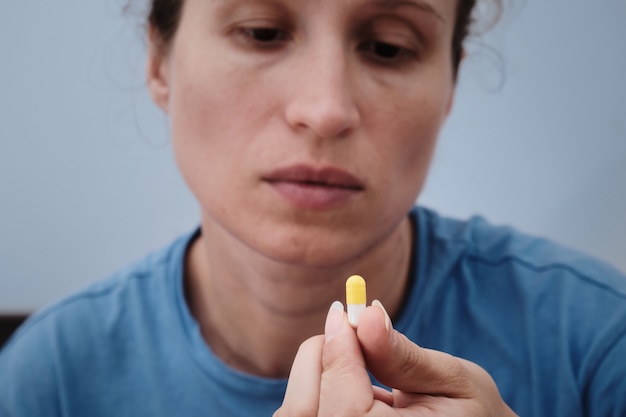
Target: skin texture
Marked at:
254, 88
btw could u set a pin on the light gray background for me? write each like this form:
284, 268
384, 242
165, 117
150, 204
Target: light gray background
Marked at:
88, 183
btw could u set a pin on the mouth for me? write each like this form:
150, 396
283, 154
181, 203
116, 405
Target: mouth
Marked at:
307, 175
315, 188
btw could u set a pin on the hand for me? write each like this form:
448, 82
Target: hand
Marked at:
329, 375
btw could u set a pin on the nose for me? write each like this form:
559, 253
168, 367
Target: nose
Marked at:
322, 99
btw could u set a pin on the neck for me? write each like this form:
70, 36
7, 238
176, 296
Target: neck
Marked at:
254, 312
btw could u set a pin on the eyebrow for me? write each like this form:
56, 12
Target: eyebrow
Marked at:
419, 4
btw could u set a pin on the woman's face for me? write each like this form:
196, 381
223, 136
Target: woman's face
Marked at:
305, 128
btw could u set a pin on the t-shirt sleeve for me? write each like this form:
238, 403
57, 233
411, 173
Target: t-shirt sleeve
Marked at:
28, 378
606, 394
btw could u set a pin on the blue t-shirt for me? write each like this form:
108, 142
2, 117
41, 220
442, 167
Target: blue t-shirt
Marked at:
548, 324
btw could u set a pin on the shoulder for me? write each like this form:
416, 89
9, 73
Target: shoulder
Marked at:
108, 297
476, 243
510, 280
81, 332
497, 296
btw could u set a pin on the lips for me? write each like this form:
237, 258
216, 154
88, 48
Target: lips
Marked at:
314, 188
330, 177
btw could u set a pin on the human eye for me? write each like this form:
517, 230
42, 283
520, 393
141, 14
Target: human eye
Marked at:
387, 53
264, 36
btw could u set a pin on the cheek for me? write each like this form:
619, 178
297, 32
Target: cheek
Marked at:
202, 109
406, 137
214, 117
201, 115
410, 135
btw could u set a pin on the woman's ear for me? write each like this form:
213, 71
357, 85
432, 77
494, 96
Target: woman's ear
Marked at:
157, 74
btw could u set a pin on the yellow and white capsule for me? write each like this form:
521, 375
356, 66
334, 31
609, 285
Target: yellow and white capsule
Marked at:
356, 298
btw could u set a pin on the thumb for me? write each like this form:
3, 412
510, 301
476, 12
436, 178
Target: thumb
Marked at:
345, 384
401, 364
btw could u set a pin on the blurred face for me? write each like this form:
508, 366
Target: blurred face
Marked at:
305, 128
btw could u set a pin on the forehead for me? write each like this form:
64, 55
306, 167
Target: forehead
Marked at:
443, 10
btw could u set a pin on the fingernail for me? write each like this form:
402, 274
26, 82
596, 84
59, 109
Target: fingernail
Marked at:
334, 320
378, 304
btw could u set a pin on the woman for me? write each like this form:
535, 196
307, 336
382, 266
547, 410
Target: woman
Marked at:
305, 130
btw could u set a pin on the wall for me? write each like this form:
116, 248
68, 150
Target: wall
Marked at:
88, 183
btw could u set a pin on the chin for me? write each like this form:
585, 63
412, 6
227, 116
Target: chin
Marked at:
312, 249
